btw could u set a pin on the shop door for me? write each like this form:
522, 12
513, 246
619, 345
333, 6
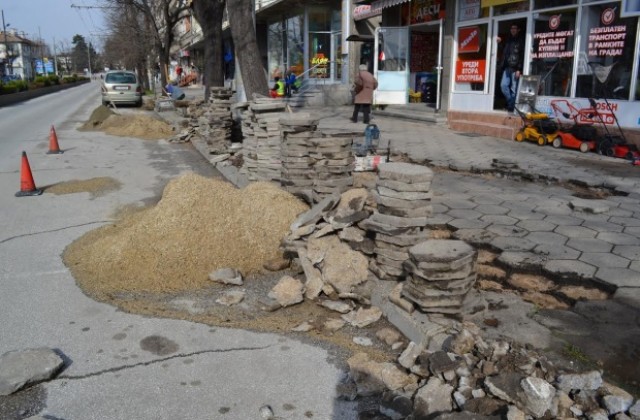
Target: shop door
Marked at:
501, 30
426, 62
391, 67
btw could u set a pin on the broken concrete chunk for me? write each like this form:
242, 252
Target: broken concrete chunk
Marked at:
338, 306
26, 367
312, 216
288, 291
589, 206
582, 381
231, 297
363, 317
226, 276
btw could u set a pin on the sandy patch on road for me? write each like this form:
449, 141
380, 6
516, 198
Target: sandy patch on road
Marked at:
96, 186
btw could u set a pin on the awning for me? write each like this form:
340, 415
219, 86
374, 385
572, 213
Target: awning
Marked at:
381, 4
360, 38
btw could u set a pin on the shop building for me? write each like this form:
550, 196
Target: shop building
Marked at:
579, 49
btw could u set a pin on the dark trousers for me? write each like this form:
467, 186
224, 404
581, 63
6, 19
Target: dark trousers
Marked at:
366, 110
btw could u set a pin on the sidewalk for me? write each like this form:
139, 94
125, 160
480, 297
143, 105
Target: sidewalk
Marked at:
531, 207
542, 225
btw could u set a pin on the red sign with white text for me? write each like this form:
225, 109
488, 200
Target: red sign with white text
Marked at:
470, 71
469, 39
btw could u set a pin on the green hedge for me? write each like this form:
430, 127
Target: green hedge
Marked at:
16, 86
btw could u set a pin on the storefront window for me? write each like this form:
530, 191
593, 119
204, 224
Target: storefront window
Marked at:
553, 50
275, 44
471, 62
607, 52
320, 54
393, 49
295, 44
325, 19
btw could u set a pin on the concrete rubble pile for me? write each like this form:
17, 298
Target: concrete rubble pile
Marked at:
261, 150
296, 150
441, 273
467, 377
403, 195
212, 121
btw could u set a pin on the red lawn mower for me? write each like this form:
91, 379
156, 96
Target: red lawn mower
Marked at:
574, 132
609, 144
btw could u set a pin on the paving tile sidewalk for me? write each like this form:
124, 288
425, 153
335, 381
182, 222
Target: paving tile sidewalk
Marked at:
533, 225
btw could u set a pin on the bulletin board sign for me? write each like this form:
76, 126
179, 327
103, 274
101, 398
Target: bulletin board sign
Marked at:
470, 71
426, 11
468, 10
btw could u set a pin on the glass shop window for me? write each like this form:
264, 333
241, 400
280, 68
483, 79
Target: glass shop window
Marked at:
553, 50
471, 62
275, 42
606, 53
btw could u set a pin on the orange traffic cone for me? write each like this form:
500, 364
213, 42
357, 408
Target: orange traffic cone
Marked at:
27, 186
53, 142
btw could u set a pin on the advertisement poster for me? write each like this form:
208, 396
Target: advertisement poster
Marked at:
468, 10
553, 43
470, 71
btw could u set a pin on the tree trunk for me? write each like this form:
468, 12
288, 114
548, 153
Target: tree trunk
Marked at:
209, 15
246, 47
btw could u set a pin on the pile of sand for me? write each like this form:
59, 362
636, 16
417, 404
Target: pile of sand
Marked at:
199, 225
131, 125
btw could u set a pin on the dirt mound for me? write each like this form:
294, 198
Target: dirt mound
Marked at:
98, 116
141, 126
199, 225
131, 125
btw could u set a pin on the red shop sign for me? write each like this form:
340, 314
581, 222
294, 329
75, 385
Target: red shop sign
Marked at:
469, 39
470, 71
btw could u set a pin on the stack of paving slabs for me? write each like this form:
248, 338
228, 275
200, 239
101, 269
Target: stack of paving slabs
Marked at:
441, 273
262, 151
297, 174
333, 162
215, 123
404, 204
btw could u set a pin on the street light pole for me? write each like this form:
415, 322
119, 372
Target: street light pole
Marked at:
6, 44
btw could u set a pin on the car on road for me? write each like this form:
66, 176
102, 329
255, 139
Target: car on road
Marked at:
121, 87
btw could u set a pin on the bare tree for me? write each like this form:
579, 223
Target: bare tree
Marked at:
130, 42
161, 16
209, 14
246, 46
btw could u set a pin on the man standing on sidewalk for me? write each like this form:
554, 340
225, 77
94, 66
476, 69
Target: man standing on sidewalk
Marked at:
365, 84
512, 65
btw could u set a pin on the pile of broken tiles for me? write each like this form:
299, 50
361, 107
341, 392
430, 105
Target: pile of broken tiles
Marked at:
403, 196
262, 151
441, 273
333, 164
212, 121
296, 150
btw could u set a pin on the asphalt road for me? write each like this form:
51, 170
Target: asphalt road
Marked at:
118, 365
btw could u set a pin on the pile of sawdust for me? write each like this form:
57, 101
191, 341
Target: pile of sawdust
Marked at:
199, 225
96, 186
141, 126
134, 125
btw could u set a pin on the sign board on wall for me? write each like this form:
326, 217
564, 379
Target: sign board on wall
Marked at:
470, 71
627, 113
553, 43
469, 40
468, 10
427, 11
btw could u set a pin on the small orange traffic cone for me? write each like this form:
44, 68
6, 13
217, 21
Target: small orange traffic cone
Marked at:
53, 142
27, 186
